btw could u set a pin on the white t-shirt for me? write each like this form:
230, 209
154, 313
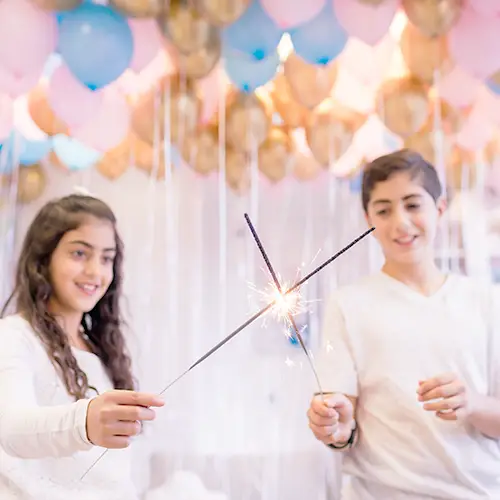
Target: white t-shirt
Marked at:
44, 450
380, 339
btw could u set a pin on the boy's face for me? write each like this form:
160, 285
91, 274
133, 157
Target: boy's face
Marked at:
405, 217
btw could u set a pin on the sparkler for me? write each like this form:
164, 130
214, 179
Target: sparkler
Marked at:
286, 309
249, 321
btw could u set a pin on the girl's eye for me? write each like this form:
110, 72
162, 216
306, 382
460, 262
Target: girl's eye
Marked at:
108, 260
78, 254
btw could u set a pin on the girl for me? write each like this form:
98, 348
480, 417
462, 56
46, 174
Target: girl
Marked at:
66, 386
407, 356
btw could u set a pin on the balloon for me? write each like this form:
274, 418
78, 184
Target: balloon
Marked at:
321, 39
57, 5
30, 183
6, 116
237, 172
147, 42
242, 34
116, 161
138, 8
288, 14
222, 12
423, 55
96, 43
71, 101
247, 74
23, 122
247, 122
309, 84
476, 132
424, 142
472, 44
433, 17
211, 89
185, 27
200, 63
16, 149
458, 88
73, 153
486, 7
461, 171
275, 155
42, 114
368, 22
15, 86
28, 36
148, 116
330, 130
201, 150
402, 105
293, 114
305, 168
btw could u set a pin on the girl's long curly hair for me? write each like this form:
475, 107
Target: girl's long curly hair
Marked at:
33, 289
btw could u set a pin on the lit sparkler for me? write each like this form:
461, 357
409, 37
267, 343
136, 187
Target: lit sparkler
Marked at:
278, 303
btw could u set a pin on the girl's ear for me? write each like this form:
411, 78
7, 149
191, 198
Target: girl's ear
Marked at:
441, 205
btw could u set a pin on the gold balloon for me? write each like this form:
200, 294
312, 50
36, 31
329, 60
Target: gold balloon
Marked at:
274, 155
492, 150
402, 105
138, 8
247, 122
424, 55
461, 169
423, 142
495, 78
148, 115
330, 130
222, 12
185, 27
116, 161
57, 5
31, 183
374, 3
201, 150
237, 172
306, 168
148, 159
433, 17
293, 114
42, 114
309, 84
201, 62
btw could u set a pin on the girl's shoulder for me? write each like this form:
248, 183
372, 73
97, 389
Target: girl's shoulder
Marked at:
14, 329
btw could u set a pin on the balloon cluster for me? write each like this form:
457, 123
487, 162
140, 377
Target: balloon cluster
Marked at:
303, 85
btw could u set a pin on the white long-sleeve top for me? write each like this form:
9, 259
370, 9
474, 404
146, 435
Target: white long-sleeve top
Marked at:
44, 449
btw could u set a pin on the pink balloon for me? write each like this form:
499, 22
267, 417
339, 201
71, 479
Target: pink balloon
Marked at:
210, 91
147, 42
474, 42
71, 101
16, 85
6, 116
486, 7
487, 105
28, 35
367, 22
288, 14
110, 126
476, 132
376, 59
458, 88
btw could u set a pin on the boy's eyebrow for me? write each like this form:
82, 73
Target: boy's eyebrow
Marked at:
405, 198
91, 247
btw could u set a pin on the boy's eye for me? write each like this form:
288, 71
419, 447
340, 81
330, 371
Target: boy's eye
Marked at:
413, 206
383, 212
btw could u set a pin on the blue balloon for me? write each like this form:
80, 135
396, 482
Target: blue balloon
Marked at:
254, 33
320, 40
356, 183
74, 154
248, 74
17, 150
96, 43
494, 87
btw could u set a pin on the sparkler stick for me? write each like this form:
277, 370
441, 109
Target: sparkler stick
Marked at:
289, 315
248, 322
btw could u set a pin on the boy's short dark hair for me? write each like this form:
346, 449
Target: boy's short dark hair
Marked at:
404, 160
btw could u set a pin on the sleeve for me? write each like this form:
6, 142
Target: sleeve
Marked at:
335, 360
493, 347
28, 430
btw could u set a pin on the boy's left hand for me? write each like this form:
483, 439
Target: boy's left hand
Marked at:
448, 394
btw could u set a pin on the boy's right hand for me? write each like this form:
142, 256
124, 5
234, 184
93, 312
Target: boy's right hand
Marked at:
114, 417
331, 419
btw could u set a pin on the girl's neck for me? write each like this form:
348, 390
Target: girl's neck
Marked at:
425, 278
70, 322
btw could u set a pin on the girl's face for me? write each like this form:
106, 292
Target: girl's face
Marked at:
406, 219
81, 267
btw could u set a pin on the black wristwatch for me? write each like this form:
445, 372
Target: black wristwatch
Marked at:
349, 442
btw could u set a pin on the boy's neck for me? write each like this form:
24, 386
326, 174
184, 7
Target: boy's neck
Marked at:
425, 278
